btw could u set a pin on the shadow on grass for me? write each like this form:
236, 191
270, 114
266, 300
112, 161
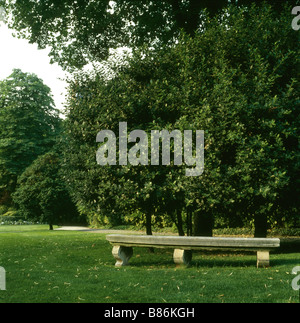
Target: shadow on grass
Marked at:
205, 263
285, 262
211, 263
164, 259
159, 258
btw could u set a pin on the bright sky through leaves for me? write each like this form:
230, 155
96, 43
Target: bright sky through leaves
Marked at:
18, 53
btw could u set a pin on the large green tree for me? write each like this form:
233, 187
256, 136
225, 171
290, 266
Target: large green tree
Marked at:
238, 82
82, 31
42, 195
124, 194
249, 109
29, 126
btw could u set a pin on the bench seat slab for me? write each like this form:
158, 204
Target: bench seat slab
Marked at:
193, 242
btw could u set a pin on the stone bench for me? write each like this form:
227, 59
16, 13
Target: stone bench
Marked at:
183, 246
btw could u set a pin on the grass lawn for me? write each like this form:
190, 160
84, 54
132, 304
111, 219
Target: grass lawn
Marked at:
67, 267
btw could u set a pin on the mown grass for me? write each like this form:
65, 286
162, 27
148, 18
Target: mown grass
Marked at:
69, 267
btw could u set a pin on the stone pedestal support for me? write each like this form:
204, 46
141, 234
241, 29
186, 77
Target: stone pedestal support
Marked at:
263, 259
122, 255
182, 257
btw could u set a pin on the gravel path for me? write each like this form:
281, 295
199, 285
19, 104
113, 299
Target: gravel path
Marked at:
86, 229
107, 231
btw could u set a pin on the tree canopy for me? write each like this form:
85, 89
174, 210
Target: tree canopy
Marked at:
29, 125
83, 31
238, 82
42, 195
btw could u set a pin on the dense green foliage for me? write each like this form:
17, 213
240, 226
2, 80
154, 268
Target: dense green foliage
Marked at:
232, 73
41, 194
82, 31
238, 82
29, 127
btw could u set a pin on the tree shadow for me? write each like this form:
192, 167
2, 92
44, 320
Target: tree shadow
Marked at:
213, 263
287, 262
163, 258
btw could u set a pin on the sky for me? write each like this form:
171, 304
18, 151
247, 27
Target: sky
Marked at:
18, 53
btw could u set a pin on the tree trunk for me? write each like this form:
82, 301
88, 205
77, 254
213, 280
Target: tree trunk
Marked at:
149, 228
148, 224
179, 223
189, 225
203, 224
50, 227
261, 226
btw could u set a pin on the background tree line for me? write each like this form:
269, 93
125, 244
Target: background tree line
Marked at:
235, 76
31, 185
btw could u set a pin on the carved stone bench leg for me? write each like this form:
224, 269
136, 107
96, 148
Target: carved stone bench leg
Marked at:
182, 257
263, 259
122, 255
